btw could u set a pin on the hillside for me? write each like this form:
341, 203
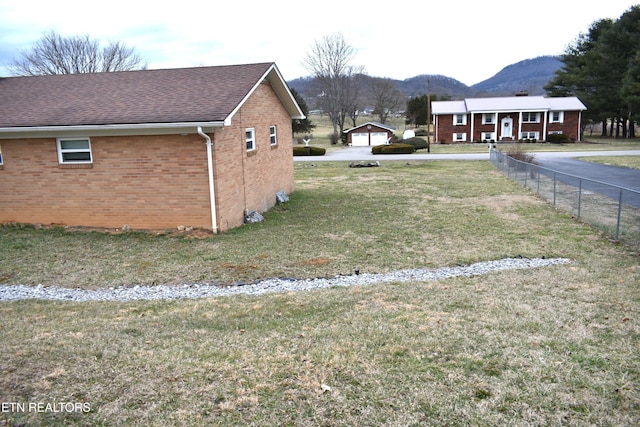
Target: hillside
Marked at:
530, 75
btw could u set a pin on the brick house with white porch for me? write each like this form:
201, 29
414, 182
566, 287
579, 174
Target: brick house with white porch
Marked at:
507, 118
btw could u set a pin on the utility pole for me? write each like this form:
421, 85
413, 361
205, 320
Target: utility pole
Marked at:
428, 115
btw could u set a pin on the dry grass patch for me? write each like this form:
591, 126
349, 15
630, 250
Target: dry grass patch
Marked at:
548, 346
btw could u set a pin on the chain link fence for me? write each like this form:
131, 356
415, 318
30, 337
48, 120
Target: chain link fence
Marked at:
610, 208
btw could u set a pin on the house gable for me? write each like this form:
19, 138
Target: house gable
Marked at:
370, 133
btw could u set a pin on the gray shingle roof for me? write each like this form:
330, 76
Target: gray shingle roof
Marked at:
184, 95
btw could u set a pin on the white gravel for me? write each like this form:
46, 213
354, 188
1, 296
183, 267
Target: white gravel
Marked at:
206, 290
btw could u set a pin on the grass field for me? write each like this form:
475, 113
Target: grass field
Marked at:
632, 162
549, 346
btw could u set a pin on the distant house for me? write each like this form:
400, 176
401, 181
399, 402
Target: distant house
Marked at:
507, 118
152, 149
369, 134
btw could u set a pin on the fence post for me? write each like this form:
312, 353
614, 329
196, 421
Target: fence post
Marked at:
554, 188
579, 196
619, 213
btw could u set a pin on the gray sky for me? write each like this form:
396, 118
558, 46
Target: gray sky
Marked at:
468, 40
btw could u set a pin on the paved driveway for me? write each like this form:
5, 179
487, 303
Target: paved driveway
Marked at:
357, 154
622, 177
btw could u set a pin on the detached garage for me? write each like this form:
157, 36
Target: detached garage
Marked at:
369, 134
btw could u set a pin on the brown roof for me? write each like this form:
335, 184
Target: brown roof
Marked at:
203, 94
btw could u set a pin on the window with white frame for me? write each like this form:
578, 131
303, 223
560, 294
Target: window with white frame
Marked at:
459, 137
459, 119
530, 117
250, 138
556, 132
272, 135
488, 118
556, 117
529, 135
488, 136
74, 150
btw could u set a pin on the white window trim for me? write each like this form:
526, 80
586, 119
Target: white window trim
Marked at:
528, 113
273, 135
536, 135
455, 120
251, 139
463, 137
560, 117
485, 121
62, 151
488, 136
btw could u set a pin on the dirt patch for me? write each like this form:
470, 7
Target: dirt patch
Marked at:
504, 206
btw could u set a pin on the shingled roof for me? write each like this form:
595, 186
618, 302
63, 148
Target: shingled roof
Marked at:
183, 95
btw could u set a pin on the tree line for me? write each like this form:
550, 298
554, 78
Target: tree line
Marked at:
602, 68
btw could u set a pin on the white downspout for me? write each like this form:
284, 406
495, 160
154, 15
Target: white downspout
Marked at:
212, 189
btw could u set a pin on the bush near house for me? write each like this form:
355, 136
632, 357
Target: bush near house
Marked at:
400, 148
559, 138
309, 151
418, 143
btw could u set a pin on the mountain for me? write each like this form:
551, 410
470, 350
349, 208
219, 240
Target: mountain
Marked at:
530, 75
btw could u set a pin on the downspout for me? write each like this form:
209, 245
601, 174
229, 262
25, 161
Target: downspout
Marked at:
212, 189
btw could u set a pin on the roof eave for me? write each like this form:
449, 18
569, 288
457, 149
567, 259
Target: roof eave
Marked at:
108, 130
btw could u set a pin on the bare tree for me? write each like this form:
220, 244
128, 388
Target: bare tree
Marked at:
329, 63
54, 54
385, 97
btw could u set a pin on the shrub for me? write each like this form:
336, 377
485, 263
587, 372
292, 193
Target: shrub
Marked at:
418, 143
334, 138
308, 151
558, 138
393, 149
516, 152
421, 132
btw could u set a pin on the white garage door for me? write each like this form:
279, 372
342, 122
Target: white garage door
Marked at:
378, 138
359, 139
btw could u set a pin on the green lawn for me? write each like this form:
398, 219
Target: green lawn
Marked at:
549, 346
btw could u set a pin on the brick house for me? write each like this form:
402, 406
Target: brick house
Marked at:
507, 118
369, 134
152, 149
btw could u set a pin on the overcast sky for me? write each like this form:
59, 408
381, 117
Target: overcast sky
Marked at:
468, 40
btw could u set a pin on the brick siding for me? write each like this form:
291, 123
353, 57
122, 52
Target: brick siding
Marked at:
152, 182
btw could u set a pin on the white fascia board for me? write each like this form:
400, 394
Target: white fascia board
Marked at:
279, 86
107, 130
